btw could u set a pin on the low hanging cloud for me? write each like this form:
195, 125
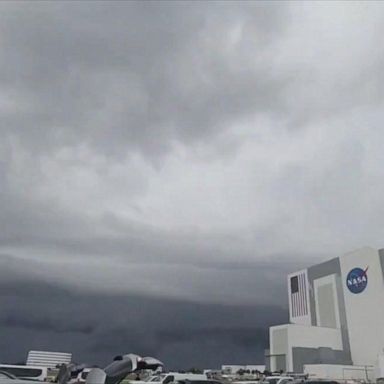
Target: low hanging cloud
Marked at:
98, 326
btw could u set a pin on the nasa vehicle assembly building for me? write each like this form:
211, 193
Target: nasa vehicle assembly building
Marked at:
336, 312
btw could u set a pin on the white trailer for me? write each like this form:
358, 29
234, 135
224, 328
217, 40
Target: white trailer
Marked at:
339, 372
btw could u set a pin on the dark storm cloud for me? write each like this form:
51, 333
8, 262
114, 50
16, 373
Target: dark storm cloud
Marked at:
43, 324
98, 326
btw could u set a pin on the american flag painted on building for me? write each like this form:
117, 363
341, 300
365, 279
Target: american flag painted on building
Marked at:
299, 304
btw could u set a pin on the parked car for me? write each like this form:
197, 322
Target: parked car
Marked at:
8, 378
29, 372
174, 377
320, 381
277, 380
199, 381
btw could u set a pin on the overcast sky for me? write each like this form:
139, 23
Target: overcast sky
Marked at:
192, 153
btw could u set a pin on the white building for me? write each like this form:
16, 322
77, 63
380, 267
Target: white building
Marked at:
48, 359
336, 312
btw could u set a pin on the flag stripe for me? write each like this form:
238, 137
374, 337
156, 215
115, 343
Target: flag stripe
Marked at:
299, 298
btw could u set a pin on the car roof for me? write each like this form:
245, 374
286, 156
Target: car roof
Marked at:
279, 377
202, 379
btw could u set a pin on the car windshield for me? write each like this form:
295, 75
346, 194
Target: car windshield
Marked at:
169, 379
23, 372
197, 381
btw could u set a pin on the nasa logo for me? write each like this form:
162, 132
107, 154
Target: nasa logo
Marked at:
357, 280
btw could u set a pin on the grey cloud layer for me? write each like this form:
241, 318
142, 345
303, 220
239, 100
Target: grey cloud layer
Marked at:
209, 282
193, 151
132, 76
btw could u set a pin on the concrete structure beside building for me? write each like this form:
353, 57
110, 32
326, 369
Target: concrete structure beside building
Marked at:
234, 369
336, 312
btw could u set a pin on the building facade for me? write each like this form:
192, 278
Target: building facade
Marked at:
48, 359
336, 312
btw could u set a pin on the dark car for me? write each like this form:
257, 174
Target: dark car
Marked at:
208, 381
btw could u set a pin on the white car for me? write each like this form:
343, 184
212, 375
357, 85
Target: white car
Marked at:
277, 380
172, 377
8, 378
27, 372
